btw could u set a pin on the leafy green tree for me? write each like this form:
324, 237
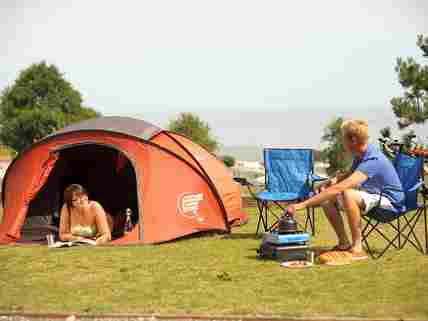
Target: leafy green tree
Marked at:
40, 102
190, 125
412, 108
334, 154
228, 160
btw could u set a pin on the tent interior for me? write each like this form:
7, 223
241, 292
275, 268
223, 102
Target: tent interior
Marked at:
106, 173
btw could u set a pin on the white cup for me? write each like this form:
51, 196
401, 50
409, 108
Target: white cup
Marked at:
311, 257
50, 239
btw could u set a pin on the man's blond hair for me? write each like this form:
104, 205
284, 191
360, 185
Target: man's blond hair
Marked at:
357, 129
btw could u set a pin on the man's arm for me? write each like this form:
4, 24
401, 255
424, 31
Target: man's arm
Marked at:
350, 182
336, 178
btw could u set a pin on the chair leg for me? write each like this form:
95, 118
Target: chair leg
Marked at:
310, 220
399, 234
313, 220
411, 224
264, 211
275, 205
365, 235
307, 221
261, 205
426, 232
369, 228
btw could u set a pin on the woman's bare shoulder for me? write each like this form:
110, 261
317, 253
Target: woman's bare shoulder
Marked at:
63, 207
95, 205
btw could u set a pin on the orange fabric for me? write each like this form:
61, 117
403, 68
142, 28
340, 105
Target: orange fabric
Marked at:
179, 198
174, 199
217, 172
335, 258
40, 180
132, 237
41, 169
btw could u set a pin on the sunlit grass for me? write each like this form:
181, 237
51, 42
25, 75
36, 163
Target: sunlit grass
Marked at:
218, 275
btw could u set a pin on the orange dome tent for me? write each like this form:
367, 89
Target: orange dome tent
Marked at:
173, 186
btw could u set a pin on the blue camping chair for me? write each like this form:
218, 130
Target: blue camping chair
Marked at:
397, 229
289, 177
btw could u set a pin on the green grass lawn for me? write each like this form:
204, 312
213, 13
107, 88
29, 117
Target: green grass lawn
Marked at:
216, 275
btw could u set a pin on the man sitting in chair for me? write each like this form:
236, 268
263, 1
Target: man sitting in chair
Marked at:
357, 191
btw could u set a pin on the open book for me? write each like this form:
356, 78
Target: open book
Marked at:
73, 243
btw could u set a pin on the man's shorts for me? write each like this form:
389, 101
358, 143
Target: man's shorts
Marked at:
369, 200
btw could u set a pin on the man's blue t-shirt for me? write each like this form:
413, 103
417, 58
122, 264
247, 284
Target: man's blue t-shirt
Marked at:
382, 176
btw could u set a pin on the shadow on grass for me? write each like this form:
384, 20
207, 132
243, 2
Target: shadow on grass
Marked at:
242, 236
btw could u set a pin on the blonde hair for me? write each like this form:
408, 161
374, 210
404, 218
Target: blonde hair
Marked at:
357, 129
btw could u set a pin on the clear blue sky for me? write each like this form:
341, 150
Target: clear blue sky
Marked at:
259, 72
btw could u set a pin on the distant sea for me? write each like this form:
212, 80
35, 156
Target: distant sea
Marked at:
243, 153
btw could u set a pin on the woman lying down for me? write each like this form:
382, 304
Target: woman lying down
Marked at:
83, 219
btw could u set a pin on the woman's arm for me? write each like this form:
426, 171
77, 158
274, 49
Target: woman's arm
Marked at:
104, 233
65, 225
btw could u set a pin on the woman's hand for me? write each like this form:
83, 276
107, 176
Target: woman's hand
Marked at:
101, 239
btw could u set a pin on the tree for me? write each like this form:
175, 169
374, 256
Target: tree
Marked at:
412, 108
40, 102
190, 125
228, 160
334, 154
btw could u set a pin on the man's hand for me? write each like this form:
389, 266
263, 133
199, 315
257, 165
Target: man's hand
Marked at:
325, 185
293, 208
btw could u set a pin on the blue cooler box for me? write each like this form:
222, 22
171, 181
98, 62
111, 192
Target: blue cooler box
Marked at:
284, 239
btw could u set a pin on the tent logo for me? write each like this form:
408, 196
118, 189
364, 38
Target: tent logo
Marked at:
188, 205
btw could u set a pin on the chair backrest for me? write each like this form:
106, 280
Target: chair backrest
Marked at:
288, 170
410, 172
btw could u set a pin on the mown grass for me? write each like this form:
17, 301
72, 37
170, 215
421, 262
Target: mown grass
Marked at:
218, 275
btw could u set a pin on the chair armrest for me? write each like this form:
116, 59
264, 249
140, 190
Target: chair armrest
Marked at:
314, 178
242, 180
416, 186
317, 178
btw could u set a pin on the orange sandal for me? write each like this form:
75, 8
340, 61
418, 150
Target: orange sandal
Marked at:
358, 255
336, 258
339, 248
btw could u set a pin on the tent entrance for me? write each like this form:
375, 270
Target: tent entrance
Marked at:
105, 172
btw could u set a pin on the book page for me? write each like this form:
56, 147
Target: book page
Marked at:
59, 244
84, 241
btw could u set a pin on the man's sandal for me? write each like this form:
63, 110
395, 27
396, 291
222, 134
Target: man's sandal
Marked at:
358, 255
335, 258
339, 248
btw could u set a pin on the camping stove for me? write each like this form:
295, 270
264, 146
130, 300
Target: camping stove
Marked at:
285, 242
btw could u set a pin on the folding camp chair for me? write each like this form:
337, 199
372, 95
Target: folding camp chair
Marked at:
397, 229
289, 178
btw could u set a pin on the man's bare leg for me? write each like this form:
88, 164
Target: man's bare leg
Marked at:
352, 204
336, 221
